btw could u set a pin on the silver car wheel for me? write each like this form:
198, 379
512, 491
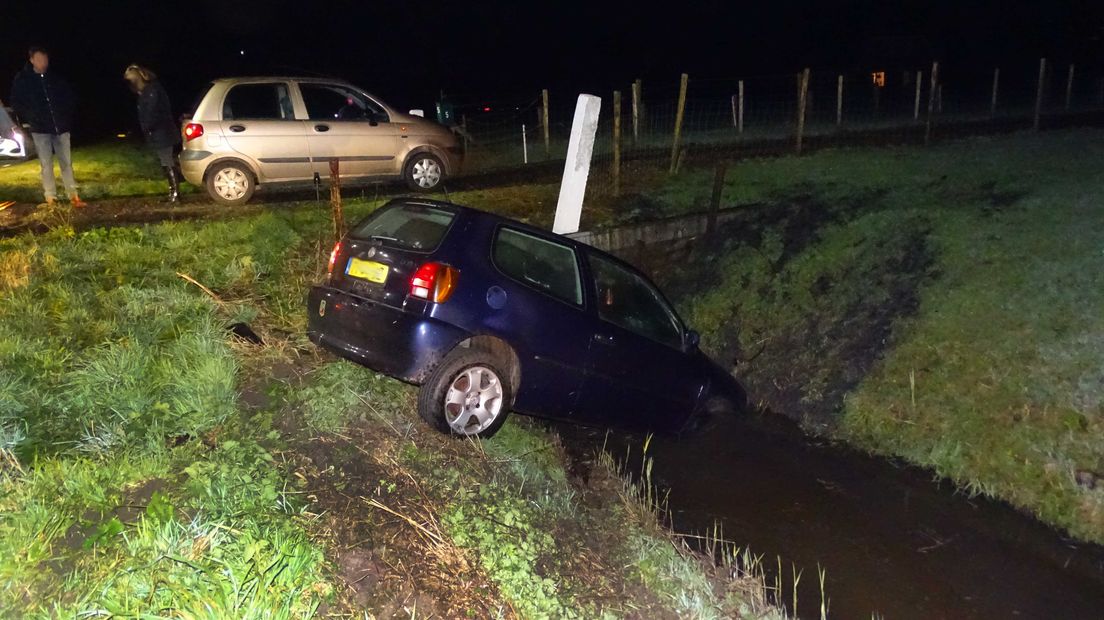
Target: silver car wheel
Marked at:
231, 183
426, 172
473, 401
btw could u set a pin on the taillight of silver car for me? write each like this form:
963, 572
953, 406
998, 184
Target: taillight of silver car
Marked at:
434, 282
192, 131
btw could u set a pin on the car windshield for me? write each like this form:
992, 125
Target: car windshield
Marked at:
414, 227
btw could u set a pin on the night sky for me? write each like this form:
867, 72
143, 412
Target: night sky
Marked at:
406, 52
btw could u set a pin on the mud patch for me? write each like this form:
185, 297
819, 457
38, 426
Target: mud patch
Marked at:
136, 500
387, 565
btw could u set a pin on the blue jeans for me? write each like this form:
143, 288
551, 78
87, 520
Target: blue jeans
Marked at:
48, 147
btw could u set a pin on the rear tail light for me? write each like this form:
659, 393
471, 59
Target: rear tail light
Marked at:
333, 258
192, 131
434, 282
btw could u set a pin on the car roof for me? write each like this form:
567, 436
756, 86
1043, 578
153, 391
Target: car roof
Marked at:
280, 78
499, 219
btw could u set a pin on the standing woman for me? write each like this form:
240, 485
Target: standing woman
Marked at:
156, 119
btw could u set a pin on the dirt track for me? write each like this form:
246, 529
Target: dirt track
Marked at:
23, 217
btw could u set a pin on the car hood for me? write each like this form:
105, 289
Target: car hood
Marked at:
419, 125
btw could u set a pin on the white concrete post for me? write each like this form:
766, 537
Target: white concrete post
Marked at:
524, 146
580, 147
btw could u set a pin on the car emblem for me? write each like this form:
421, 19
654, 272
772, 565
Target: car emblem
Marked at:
322, 308
371, 252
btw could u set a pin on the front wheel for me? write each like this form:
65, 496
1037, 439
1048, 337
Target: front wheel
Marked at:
423, 172
467, 395
230, 183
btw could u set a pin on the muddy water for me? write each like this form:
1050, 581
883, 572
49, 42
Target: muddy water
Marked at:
894, 542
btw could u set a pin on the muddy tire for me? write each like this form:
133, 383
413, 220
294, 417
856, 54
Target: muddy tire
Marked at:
712, 411
230, 183
423, 172
469, 394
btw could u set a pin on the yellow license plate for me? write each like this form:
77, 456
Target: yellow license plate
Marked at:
367, 270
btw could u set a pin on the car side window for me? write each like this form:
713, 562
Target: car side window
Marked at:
545, 265
628, 300
332, 102
258, 102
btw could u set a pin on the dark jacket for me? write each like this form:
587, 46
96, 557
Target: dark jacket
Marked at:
156, 117
45, 101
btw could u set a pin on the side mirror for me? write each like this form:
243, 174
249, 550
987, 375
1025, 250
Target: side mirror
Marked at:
420, 113
693, 340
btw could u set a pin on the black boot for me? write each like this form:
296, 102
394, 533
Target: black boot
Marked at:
174, 184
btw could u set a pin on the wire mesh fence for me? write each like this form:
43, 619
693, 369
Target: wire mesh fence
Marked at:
772, 114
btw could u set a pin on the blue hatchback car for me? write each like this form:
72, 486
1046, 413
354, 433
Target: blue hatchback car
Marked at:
489, 315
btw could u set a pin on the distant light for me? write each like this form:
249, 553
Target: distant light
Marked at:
487, 109
242, 52
120, 135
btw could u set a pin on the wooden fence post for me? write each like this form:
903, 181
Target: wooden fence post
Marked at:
616, 143
740, 107
735, 121
636, 110
933, 84
715, 199
839, 100
1069, 87
681, 158
544, 118
464, 131
1039, 93
802, 99
996, 84
678, 122
335, 200
916, 104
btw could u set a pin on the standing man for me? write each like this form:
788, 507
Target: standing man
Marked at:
45, 100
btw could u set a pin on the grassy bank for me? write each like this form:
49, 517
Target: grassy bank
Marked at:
154, 464
107, 170
938, 304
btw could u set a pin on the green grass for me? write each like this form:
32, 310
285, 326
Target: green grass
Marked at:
995, 377
106, 170
112, 370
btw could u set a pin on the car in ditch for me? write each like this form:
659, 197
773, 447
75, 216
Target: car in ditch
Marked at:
281, 131
489, 315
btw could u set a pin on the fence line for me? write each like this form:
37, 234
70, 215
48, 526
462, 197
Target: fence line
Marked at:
694, 120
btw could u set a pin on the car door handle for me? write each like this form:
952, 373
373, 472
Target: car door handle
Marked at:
237, 128
605, 339
321, 127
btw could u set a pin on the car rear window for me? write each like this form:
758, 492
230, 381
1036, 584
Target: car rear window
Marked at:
545, 265
411, 227
258, 102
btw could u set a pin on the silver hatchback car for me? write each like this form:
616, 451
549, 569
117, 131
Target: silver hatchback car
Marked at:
260, 131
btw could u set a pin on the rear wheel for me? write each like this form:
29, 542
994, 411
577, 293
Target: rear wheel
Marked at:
469, 394
423, 172
230, 183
